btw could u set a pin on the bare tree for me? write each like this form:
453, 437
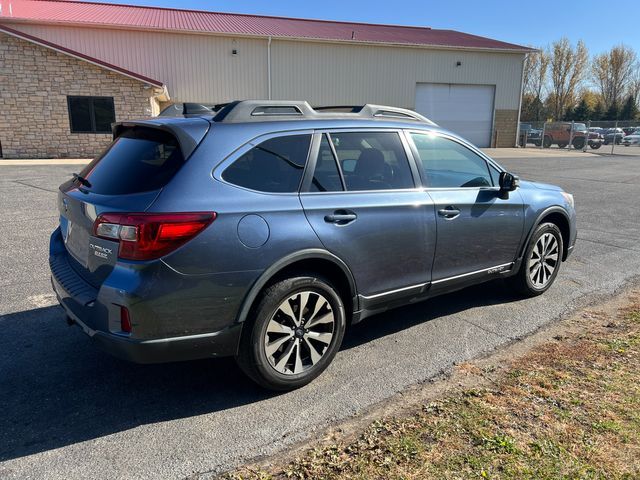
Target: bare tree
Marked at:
568, 67
536, 67
613, 72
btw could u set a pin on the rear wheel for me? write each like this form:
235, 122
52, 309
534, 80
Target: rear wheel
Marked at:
293, 334
541, 261
595, 146
562, 145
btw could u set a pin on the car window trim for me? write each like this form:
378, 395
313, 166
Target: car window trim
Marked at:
399, 131
425, 181
254, 142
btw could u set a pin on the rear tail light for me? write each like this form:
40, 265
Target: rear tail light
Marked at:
147, 236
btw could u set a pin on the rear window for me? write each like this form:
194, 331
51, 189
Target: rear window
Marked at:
139, 160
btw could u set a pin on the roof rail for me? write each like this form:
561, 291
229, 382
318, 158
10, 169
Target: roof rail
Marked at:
261, 110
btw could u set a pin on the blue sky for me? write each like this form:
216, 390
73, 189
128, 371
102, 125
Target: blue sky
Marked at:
516, 21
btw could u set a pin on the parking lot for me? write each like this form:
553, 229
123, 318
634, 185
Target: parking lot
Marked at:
70, 411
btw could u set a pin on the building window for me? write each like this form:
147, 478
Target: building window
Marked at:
91, 114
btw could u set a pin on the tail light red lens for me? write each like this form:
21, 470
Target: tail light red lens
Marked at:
147, 236
125, 320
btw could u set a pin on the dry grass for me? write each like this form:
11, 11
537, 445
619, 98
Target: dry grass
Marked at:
569, 408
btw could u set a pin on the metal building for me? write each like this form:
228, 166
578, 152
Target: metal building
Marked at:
464, 82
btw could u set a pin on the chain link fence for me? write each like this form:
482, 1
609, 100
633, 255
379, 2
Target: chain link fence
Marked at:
603, 136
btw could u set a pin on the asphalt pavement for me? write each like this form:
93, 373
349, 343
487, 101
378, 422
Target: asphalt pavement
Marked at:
70, 411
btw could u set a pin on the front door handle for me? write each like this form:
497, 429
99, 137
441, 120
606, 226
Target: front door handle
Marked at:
341, 217
449, 212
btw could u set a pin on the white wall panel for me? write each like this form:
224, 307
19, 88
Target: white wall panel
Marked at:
194, 67
202, 68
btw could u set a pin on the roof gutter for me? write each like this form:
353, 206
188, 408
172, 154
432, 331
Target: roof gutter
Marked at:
515, 49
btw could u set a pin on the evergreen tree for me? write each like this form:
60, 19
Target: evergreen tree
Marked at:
629, 109
582, 111
598, 112
613, 112
568, 113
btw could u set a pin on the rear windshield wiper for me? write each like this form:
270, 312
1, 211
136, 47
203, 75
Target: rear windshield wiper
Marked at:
81, 180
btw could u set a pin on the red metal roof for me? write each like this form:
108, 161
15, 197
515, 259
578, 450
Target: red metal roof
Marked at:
129, 16
82, 56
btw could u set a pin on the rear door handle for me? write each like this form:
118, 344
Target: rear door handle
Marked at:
340, 217
449, 212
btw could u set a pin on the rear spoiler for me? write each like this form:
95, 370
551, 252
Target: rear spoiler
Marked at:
188, 131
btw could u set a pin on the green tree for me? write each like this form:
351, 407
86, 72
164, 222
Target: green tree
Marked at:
613, 112
598, 111
568, 113
583, 112
629, 109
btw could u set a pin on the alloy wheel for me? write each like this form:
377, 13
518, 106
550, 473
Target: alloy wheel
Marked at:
299, 332
543, 260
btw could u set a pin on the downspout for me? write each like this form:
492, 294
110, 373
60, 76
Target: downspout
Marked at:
269, 67
524, 59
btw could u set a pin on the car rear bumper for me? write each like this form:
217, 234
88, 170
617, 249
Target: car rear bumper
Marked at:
190, 347
165, 329
175, 349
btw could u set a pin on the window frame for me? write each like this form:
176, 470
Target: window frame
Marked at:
313, 157
92, 114
425, 181
254, 142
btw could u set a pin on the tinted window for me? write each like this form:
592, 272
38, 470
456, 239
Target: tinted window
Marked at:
372, 160
448, 164
326, 177
139, 160
91, 114
275, 165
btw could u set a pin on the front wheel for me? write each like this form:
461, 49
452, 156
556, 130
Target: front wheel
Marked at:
578, 143
293, 334
541, 261
595, 146
546, 142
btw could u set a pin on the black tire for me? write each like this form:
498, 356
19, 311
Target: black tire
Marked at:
595, 146
578, 143
537, 143
252, 354
547, 141
562, 145
521, 281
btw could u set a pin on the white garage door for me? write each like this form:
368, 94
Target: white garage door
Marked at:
464, 109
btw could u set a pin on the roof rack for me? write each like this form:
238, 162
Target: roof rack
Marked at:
262, 110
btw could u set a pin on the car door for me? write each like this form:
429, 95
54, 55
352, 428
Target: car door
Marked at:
360, 198
479, 228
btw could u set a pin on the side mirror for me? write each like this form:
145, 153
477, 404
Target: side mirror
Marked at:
508, 182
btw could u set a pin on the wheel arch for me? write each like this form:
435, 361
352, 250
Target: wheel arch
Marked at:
557, 216
312, 260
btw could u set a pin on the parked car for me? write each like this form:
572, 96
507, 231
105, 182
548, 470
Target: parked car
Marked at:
629, 130
563, 133
613, 134
189, 109
263, 231
531, 134
632, 139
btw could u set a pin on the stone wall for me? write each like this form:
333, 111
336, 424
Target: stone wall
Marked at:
505, 125
34, 84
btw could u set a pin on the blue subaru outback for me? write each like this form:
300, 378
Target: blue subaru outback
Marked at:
261, 230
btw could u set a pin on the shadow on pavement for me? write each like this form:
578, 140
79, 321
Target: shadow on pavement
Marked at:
57, 389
